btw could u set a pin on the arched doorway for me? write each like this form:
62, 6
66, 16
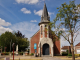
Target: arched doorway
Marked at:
46, 49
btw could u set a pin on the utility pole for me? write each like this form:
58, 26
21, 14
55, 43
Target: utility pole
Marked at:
10, 45
13, 49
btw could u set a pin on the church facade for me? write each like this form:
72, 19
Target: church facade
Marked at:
42, 42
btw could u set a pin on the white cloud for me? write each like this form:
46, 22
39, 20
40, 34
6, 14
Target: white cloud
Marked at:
33, 21
50, 13
3, 23
24, 10
39, 13
27, 28
27, 1
3, 29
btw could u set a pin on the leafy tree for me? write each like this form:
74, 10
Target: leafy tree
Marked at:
8, 37
21, 41
5, 40
19, 34
67, 18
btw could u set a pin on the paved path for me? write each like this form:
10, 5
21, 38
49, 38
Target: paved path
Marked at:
39, 58
51, 58
58, 58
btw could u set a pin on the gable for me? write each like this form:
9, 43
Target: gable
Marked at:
78, 44
65, 47
34, 39
35, 33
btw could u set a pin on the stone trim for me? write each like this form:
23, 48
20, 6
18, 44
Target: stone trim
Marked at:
48, 41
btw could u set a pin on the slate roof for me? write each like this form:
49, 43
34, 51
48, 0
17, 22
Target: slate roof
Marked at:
78, 44
45, 12
45, 16
65, 47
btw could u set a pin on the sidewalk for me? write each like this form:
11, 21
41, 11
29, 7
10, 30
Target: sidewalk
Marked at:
25, 57
70, 58
21, 57
66, 58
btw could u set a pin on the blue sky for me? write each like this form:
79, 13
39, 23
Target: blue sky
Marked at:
24, 15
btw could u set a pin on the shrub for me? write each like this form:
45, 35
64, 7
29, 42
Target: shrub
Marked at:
5, 53
67, 51
64, 53
77, 55
12, 53
20, 53
69, 54
2, 54
32, 54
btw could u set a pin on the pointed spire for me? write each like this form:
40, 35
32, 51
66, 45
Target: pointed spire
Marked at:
45, 16
45, 12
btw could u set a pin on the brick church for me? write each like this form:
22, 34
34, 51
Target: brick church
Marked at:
42, 42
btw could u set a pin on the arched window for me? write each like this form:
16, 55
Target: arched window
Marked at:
45, 26
41, 30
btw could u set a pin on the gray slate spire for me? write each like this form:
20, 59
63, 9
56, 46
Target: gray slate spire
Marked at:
45, 16
45, 12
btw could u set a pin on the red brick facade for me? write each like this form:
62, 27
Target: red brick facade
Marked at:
57, 47
35, 39
56, 43
44, 38
45, 32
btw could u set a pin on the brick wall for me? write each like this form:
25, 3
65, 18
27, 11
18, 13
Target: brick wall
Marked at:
35, 39
46, 32
57, 47
56, 43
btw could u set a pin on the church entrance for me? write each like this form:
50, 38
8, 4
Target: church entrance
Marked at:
46, 49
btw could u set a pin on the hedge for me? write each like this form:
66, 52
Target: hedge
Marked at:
5, 53
64, 53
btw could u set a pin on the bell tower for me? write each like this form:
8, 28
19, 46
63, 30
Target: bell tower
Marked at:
44, 27
45, 43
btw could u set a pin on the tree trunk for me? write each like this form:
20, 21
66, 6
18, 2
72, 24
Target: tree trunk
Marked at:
72, 47
72, 50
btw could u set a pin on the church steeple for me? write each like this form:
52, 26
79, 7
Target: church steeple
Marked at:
44, 23
45, 12
45, 16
